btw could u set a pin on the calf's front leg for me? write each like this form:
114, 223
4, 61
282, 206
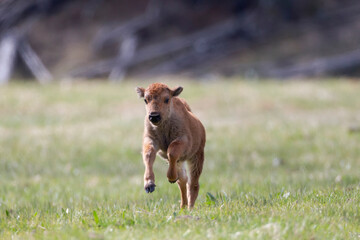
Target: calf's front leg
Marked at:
174, 152
149, 155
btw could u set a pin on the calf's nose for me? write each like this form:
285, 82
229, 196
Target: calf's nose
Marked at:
154, 117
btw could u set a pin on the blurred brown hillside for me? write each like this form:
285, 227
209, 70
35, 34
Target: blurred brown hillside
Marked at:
112, 39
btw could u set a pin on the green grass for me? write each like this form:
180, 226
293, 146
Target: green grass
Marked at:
280, 163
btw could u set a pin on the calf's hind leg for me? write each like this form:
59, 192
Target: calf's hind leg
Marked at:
182, 181
195, 169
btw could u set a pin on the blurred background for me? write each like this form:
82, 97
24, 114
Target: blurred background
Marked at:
283, 154
47, 40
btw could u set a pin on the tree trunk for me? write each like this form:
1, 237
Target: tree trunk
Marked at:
8, 45
124, 58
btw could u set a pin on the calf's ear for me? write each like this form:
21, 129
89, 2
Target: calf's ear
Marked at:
177, 91
140, 91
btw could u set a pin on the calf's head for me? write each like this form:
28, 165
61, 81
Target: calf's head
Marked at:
158, 101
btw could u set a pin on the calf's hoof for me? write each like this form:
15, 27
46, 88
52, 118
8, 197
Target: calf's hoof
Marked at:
172, 176
172, 181
150, 187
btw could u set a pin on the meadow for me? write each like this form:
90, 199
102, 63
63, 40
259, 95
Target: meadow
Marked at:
282, 161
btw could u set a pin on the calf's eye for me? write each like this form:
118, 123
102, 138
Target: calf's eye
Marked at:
146, 102
166, 100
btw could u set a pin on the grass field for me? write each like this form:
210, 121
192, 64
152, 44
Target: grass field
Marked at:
282, 162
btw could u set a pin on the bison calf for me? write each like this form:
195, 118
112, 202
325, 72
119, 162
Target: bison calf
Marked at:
173, 131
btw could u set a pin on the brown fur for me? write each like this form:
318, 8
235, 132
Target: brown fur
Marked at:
179, 137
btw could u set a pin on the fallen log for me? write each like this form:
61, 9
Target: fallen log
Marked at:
151, 15
34, 63
197, 40
319, 67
